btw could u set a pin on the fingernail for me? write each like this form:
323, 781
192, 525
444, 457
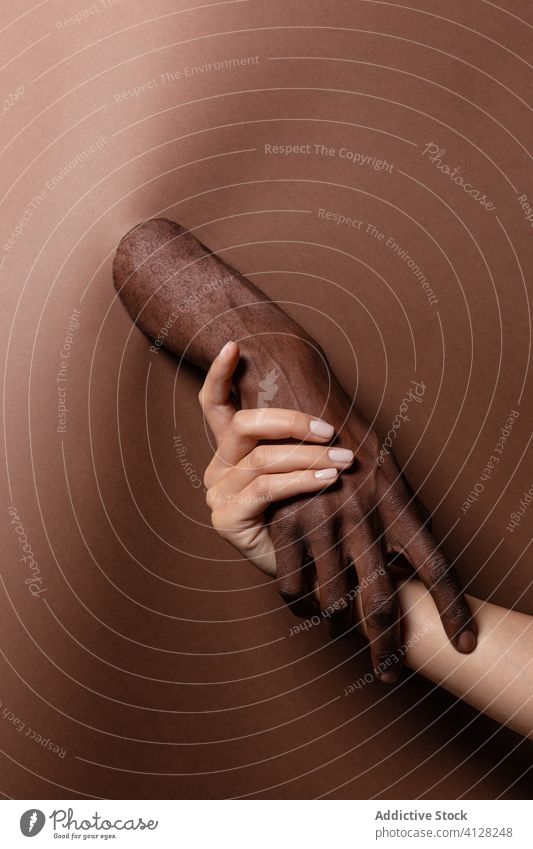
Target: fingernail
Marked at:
326, 474
389, 677
225, 350
320, 428
467, 642
340, 455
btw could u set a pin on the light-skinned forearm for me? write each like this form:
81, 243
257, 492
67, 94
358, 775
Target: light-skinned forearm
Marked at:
496, 679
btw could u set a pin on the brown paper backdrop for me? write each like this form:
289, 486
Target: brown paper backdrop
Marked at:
155, 661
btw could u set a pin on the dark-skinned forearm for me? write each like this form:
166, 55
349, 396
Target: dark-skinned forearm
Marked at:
189, 301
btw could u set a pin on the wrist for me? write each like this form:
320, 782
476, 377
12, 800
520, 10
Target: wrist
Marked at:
280, 372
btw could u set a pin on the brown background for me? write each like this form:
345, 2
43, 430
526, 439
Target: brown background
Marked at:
159, 661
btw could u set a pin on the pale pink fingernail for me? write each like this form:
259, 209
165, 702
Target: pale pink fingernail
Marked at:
340, 455
320, 428
225, 350
326, 474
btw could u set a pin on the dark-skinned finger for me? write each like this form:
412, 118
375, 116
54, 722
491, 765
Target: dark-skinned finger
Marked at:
442, 581
382, 619
294, 568
380, 606
334, 585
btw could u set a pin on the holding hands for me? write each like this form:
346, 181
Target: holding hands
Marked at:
246, 475
268, 455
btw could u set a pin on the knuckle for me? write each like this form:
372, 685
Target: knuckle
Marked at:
213, 498
286, 421
258, 489
288, 538
209, 476
296, 421
287, 524
335, 607
384, 655
357, 526
258, 458
291, 418
201, 397
288, 593
218, 523
440, 573
240, 421
334, 584
380, 611
456, 613
395, 502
